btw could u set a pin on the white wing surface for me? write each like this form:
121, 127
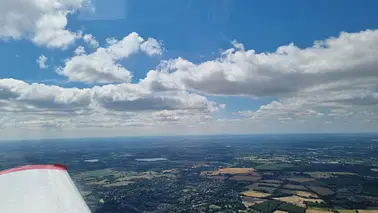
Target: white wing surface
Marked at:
39, 189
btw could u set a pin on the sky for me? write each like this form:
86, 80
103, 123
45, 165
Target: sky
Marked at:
100, 68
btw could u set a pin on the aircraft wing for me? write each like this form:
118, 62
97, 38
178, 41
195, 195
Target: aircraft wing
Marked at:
39, 189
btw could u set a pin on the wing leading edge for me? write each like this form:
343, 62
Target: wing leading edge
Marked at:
39, 189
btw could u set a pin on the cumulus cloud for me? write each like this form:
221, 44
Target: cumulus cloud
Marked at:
151, 47
91, 40
34, 107
339, 72
18, 95
80, 50
348, 58
333, 82
41, 61
324, 107
117, 97
102, 66
42, 21
127, 97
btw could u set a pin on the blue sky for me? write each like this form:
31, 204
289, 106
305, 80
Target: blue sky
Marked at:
199, 32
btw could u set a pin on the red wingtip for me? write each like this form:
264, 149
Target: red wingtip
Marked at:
34, 167
60, 166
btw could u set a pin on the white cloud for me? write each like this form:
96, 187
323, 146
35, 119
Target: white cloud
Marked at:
350, 106
42, 21
91, 40
102, 66
129, 97
151, 47
16, 95
53, 111
97, 67
350, 58
80, 50
310, 83
117, 97
41, 61
44, 106
328, 87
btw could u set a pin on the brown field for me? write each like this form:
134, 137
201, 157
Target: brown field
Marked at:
248, 204
344, 173
300, 179
299, 201
235, 170
250, 201
255, 194
231, 171
346, 210
321, 190
306, 194
246, 178
292, 186
367, 211
208, 173
320, 209
316, 211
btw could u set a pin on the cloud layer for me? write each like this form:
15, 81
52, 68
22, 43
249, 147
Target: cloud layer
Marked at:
17, 95
349, 60
339, 73
334, 82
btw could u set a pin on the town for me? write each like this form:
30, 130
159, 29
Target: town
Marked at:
285, 173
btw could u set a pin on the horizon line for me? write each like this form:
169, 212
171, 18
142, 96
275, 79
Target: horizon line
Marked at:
191, 135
